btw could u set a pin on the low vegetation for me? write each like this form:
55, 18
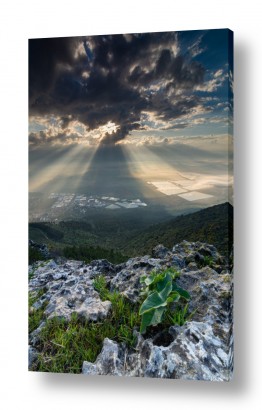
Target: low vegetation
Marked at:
161, 293
34, 255
65, 345
35, 315
208, 261
211, 225
89, 253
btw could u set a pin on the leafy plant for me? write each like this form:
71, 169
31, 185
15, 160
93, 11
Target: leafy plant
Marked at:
161, 292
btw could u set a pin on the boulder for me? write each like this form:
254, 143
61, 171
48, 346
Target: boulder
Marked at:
69, 289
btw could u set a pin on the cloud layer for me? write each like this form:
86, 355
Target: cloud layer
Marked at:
101, 89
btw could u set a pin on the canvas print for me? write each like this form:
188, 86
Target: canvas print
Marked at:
131, 205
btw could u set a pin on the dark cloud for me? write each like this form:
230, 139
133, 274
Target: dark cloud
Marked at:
46, 56
65, 121
112, 78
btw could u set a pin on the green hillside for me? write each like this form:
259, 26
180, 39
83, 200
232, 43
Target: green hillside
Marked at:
213, 225
132, 234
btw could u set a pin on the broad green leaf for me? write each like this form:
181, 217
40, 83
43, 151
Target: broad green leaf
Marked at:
157, 317
149, 280
181, 291
146, 320
156, 299
152, 317
162, 284
152, 302
167, 289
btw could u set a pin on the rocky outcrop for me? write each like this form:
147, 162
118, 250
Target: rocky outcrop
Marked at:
195, 353
68, 289
201, 349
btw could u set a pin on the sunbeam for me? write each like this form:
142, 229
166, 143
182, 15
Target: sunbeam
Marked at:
54, 177
184, 171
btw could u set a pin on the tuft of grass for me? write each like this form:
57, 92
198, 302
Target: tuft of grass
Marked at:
208, 261
65, 345
36, 316
99, 284
180, 316
124, 314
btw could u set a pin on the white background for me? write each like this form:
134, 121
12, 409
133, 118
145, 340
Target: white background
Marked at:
21, 20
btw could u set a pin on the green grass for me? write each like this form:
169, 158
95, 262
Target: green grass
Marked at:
179, 316
65, 345
36, 316
89, 253
208, 261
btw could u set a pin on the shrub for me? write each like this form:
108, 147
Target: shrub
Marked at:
161, 293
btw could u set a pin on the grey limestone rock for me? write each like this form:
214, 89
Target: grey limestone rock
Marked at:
111, 360
195, 353
68, 289
160, 251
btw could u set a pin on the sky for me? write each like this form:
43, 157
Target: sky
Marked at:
132, 99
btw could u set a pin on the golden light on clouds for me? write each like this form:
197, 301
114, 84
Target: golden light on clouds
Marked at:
109, 128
